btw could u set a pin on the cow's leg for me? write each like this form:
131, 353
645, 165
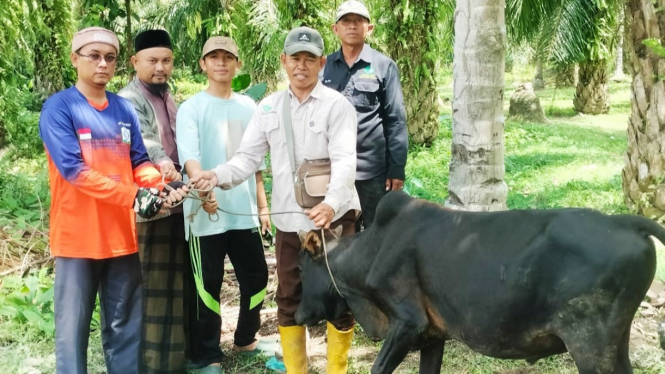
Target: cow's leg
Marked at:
431, 357
402, 335
594, 352
623, 360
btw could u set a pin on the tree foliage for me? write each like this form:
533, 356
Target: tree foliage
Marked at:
413, 34
267, 22
565, 31
34, 52
191, 23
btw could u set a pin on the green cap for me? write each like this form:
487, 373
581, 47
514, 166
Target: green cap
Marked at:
303, 39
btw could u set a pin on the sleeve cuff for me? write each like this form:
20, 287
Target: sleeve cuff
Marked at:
223, 177
332, 202
163, 162
395, 172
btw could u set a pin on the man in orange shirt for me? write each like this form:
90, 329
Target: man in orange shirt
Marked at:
96, 158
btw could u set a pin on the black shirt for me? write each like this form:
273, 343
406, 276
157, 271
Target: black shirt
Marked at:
372, 85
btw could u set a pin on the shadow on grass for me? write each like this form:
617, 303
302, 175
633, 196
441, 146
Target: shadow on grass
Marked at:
520, 135
604, 195
518, 164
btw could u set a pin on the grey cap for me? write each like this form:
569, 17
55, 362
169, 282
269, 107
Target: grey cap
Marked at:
303, 39
352, 7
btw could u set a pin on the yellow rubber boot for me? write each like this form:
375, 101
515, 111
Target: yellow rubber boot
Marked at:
339, 343
294, 348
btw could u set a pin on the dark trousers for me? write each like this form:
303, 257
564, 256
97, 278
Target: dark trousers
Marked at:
370, 191
289, 288
245, 251
77, 282
163, 250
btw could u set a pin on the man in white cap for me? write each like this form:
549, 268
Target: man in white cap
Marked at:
323, 127
96, 158
370, 81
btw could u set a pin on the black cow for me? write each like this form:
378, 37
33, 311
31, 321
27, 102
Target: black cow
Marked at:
524, 284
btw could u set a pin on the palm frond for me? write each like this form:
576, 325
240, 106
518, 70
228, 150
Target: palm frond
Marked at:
261, 40
190, 23
524, 18
565, 31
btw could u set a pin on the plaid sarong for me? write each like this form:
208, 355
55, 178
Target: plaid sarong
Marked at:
162, 248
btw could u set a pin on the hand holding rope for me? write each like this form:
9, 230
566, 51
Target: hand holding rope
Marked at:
193, 193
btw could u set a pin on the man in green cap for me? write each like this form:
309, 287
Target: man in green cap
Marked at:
324, 127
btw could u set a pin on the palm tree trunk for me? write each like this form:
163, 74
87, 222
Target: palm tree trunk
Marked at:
539, 80
409, 48
592, 94
642, 177
618, 58
128, 32
477, 166
627, 38
566, 76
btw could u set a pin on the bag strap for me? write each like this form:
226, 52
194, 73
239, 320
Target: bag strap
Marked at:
288, 129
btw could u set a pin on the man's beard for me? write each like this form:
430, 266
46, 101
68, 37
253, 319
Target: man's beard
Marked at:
158, 89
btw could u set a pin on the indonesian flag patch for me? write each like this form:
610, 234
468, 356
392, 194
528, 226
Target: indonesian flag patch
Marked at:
85, 134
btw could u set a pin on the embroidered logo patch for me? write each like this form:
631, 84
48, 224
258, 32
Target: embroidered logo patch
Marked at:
304, 37
126, 135
368, 73
266, 108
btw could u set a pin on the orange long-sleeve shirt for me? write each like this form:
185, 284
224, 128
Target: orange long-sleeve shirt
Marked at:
96, 159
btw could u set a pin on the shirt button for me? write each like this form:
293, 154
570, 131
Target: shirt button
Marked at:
348, 73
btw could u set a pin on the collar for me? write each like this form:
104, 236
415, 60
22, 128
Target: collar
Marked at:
317, 92
365, 54
146, 90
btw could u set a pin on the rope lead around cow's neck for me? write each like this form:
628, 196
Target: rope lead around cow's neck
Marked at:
325, 254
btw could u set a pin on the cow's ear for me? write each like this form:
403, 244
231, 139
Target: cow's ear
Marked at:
312, 244
302, 235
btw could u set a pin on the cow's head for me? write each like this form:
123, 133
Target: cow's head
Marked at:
319, 300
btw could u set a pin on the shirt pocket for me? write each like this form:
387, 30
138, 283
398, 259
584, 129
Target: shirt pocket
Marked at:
316, 139
366, 94
270, 126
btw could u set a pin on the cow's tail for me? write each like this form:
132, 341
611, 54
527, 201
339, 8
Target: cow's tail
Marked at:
643, 225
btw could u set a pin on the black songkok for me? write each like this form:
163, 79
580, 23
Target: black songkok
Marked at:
152, 39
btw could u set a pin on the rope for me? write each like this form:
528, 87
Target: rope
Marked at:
206, 198
325, 254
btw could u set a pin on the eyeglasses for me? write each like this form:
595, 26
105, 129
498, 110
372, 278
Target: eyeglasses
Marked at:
96, 57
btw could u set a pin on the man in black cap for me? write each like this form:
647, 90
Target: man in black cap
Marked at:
162, 244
